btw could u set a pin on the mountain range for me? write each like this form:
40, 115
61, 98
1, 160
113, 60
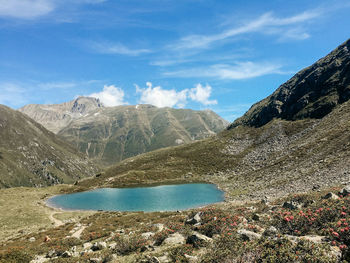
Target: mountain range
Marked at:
111, 134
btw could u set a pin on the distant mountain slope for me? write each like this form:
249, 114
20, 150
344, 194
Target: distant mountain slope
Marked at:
311, 93
111, 134
30, 155
279, 157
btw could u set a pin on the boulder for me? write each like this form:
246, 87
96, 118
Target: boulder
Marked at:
345, 191
194, 220
248, 235
174, 239
198, 240
147, 235
66, 254
271, 231
292, 205
98, 246
330, 195
87, 245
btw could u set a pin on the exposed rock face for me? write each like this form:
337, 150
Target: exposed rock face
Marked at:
30, 155
111, 134
311, 93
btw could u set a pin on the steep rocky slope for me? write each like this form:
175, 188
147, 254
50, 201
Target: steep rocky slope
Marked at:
282, 156
111, 134
311, 93
30, 155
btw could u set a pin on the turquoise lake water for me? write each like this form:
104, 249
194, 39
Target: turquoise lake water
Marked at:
148, 199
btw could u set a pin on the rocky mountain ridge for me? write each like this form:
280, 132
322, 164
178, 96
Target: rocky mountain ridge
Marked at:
111, 134
312, 93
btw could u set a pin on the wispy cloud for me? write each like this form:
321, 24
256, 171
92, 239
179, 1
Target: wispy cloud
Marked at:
240, 70
26, 9
258, 25
115, 48
12, 94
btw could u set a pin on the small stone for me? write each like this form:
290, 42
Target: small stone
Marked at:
147, 235
95, 260
271, 231
191, 258
330, 196
98, 246
66, 254
248, 235
194, 220
345, 191
32, 239
174, 239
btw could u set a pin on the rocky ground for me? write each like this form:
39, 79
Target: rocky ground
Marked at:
310, 227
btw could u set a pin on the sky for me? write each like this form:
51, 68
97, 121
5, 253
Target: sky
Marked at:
221, 55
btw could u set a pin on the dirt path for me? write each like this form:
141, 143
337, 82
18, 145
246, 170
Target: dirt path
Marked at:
55, 221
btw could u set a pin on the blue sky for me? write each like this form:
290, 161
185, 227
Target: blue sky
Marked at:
219, 54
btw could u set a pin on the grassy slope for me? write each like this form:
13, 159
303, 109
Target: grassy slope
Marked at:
31, 155
278, 158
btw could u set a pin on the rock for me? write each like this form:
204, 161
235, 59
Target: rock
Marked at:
256, 217
110, 258
174, 239
66, 254
248, 235
51, 254
112, 245
163, 259
87, 245
345, 191
314, 239
336, 252
191, 258
271, 231
330, 196
39, 259
292, 205
147, 235
47, 239
98, 246
159, 226
95, 260
194, 220
32, 239
150, 259
197, 240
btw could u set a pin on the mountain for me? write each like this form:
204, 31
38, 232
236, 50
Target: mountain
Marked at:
30, 155
267, 152
311, 93
111, 134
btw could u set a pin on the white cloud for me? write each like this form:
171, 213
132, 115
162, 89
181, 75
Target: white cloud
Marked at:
116, 48
110, 96
201, 94
241, 70
12, 94
259, 25
26, 9
160, 97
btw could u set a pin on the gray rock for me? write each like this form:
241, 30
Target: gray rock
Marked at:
191, 259
87, 245
66, 254
98, 246
32, 239
39, 259
271, 231
147, 235
292, 205
198, 240
174, 239
194, 220
345, 191
51, 254
330, 196
95, 260
248, 235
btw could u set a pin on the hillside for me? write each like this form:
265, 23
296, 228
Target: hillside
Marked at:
111, 134
311, 93
30, 155
280, 157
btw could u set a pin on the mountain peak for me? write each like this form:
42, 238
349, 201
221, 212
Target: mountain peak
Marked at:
85, 104
312, 93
